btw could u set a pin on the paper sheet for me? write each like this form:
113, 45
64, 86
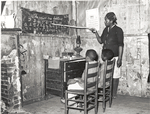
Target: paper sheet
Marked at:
92, 18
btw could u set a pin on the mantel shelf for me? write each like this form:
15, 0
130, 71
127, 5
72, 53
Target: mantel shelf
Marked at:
11, 29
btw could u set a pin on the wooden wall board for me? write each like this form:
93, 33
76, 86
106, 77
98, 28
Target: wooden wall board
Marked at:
37, 46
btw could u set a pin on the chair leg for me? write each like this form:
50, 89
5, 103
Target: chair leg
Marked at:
110, 101
80, 104
66, 111
96, 107
104, 105
85, 105
103, 109
66, 103
96, 110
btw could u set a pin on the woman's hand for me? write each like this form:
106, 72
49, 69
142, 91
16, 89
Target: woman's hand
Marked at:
119, 62
93, 30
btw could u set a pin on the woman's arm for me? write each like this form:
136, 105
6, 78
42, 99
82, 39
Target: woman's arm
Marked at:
120, 36
97, 35
119, 62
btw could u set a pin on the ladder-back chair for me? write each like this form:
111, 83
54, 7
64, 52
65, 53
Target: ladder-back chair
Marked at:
89, 93
105, 91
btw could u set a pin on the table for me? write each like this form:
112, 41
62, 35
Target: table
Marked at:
56, 79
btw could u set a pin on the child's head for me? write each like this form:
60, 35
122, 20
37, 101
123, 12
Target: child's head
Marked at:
107, 54
91, 55
110, 18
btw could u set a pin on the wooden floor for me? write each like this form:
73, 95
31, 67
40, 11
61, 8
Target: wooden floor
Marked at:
121, 105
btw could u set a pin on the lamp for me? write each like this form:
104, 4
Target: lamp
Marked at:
78, 49
78, 40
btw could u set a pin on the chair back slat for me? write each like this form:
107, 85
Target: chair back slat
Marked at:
109, 62
107, 79
108, 73
91, 84
91, 75
109, 68
92, 64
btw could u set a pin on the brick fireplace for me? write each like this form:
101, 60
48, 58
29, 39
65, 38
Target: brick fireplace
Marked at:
10, 70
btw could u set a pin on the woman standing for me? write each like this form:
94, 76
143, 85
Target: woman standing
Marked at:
112, 38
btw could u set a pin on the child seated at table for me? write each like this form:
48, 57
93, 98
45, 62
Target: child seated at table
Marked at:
78, 83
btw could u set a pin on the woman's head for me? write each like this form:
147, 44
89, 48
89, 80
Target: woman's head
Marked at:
91, 55
110, 18
107, 54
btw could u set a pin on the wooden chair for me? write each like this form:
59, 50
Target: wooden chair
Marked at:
105, 92
89, 93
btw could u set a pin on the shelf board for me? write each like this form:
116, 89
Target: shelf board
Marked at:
11, 29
